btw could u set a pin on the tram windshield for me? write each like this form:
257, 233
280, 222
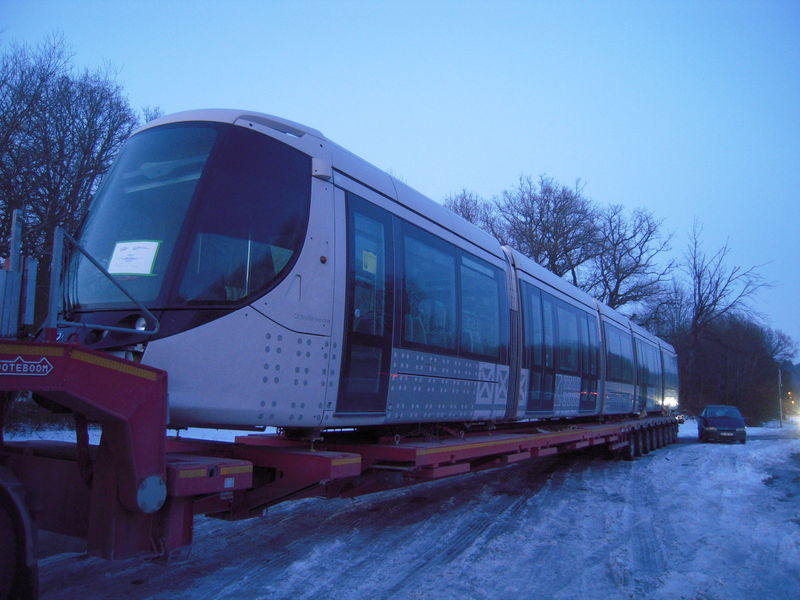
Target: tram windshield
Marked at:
195, 214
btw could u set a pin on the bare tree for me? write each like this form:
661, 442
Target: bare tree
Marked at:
626, 268
477, 211
716, 288
550, 223
782, 347
708, 319
467, 205
25, 79
59, 133
151, 113
58, 136
666, 313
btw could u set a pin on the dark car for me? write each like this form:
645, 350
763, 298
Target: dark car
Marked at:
720, 423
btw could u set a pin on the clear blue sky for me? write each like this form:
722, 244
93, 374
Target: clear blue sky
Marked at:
690, 109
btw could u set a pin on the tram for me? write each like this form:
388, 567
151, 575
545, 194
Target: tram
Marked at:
296, 285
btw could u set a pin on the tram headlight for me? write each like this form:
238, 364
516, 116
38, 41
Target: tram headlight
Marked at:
140, 324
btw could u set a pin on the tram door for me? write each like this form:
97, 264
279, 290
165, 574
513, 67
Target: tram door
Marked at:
368, 340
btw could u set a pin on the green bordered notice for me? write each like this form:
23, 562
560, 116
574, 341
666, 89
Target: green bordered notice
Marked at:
137, 257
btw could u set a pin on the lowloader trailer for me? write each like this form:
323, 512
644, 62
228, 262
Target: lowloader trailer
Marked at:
137, 491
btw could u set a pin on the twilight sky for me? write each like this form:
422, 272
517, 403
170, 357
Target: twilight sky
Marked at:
688, 108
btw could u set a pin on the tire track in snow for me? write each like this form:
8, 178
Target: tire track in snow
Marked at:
468, 518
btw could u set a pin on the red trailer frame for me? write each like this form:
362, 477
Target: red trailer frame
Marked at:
136, 493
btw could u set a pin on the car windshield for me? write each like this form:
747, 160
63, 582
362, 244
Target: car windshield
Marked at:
723, 411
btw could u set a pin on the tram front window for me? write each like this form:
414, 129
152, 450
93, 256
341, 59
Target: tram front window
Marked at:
253, 223
136, 218
214, 212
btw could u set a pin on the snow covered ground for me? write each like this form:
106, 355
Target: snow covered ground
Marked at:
690, 521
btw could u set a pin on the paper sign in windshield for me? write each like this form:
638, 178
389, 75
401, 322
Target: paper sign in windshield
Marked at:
133, 258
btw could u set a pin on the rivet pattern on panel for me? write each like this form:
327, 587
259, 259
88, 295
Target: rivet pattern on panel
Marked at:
568, 395
431, 387
301, 356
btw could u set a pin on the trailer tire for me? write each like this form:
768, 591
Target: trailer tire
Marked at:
637, 439
8, 552
18, 569
629, 451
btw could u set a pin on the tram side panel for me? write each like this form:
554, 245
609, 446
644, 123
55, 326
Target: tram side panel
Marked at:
561, 352
425, 328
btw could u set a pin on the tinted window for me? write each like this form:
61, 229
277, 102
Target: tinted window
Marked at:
532, 307
649, 364
548, 320
723, 411
592, 348
252, 219
670, 362
569, 337
619, 354
369, 275
481, 306
218, 208
429, 292
135, 220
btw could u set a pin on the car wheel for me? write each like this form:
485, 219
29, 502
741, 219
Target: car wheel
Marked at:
742, 441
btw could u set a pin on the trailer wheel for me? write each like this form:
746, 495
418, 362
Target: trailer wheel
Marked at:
637, 440
9, 553
18, 569
629, 451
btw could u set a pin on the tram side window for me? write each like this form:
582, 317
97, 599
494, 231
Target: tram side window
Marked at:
569, 337
619, 354
670, 378
653, 366
480, 308
648, 364
533, 325
548, 314
369, 276
429, 294
592, 356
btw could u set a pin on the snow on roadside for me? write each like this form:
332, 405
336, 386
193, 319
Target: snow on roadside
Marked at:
691, 521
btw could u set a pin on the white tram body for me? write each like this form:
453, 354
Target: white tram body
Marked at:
299, 286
